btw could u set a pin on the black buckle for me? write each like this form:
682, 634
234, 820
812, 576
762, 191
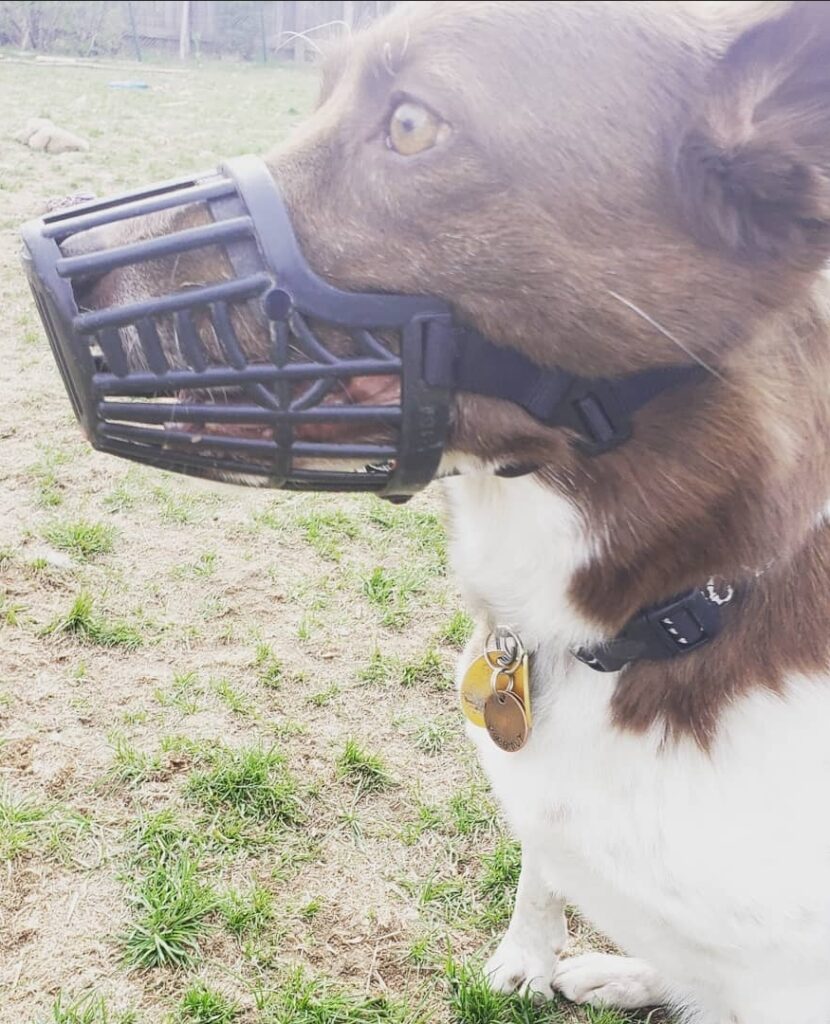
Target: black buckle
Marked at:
592, 409
684, 624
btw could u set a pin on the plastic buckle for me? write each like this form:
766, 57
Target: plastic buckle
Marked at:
593, 659
596, 415
686, 623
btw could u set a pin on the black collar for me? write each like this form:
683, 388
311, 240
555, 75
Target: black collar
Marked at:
662, 631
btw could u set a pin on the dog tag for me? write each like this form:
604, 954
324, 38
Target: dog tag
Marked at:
505, 719
477, 686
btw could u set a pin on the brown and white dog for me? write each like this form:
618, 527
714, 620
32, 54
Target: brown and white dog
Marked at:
609, 187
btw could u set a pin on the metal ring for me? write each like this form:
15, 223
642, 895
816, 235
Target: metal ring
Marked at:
510, 649
494, 678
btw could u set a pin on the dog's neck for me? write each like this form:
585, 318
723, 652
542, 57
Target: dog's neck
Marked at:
726, 479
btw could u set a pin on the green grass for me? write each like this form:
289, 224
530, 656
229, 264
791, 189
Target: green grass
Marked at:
392, 592
202, 1005
379, 670
457, 631
10, 611
232, 698
84, 624
367, 772
247, 913
472, 1001
81, 538
253, 783
89, 1008
269, 667
429, 670
170, 905
132, 766
431, 737
21, 824
326, 530
45, 473
496, 887
300, 1000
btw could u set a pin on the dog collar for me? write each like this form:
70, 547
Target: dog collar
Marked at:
677, 627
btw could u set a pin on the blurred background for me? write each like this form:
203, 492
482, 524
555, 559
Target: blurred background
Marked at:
249, 30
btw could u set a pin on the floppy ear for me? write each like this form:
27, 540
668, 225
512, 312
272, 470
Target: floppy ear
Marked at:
753, 168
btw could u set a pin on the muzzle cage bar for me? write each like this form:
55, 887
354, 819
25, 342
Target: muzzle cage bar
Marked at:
146, 385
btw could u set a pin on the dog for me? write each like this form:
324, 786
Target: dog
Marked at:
610, 188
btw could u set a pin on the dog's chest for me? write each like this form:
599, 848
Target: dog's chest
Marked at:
624, 827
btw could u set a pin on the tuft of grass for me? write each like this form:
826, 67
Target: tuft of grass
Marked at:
47, 478
326, 530
232, 698
89, 1008
171, 905
379, 670
471, 812
253, 783
10, 611
183, 693
364, 770
161, 839
430, 737
324, 697
81, 538
269, 667
457, 631
247, 913
470, 1000
202, 568
21, 821
82, 622
201, 1005
497, 886
301, 1000
428, 670
391, 592
132, 766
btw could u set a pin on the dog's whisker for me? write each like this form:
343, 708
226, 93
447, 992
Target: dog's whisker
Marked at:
666, 334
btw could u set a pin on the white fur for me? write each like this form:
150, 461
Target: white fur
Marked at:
713, 868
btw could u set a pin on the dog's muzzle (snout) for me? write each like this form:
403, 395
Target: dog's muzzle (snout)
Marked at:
262, 372
173, 380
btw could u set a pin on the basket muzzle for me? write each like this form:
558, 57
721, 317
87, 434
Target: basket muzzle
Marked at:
173, 381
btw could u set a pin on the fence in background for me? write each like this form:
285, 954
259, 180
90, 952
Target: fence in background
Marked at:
250, 29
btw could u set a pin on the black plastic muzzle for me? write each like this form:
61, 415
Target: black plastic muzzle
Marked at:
175, 381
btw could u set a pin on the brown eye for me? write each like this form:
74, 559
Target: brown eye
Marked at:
413, 129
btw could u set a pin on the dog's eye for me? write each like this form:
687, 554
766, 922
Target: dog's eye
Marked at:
414, 128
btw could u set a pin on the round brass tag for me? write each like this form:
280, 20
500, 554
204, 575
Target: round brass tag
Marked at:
506, 721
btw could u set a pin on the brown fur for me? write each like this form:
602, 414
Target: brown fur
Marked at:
619, 151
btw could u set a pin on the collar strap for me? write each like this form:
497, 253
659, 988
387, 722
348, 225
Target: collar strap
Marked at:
664, 631
597, 409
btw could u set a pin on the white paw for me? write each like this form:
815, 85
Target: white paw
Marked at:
515, 969
605, 980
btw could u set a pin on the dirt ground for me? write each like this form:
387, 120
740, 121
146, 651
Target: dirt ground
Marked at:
230, 707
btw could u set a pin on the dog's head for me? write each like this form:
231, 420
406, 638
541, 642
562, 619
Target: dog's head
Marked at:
603, 186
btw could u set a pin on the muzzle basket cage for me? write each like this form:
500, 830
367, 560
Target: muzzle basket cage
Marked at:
167, 380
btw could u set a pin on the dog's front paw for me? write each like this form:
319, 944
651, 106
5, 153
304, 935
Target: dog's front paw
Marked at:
512, 968
601, 979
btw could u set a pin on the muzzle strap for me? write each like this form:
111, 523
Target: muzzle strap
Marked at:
598, 410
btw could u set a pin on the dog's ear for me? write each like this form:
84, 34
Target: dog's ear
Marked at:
753, 167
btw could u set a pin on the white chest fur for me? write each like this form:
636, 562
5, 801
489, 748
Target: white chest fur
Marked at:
715, 867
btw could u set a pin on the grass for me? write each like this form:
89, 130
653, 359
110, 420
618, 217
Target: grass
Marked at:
247, 913
497, 885
303, 1000
202, 1005
21, 824
170, 906
367, 772
327, 530
81, 538
457, 631
392, 592
253, 784
81, 622
89, 1008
